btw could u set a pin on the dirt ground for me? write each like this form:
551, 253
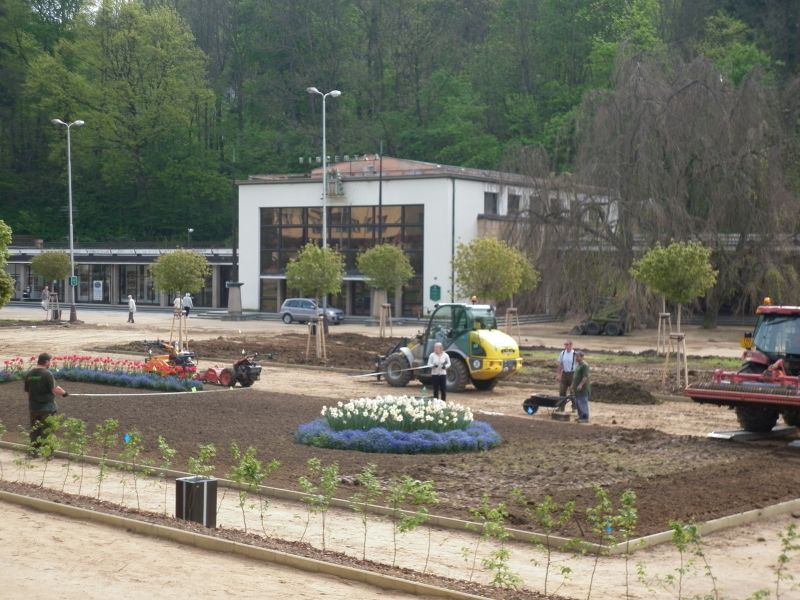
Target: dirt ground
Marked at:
659, 450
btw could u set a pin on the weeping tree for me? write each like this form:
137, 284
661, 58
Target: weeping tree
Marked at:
673, 150
686, 153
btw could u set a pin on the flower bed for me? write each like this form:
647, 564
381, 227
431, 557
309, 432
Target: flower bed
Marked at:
111, 371
398, 425
151, 381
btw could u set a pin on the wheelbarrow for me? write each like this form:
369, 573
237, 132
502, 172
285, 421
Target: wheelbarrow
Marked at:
557, 403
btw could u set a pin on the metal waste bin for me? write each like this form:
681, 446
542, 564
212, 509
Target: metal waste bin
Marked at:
196, 500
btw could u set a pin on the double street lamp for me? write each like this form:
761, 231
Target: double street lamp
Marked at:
333, 94
72, 313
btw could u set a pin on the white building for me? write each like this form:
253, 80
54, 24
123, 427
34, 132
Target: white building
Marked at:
428, 209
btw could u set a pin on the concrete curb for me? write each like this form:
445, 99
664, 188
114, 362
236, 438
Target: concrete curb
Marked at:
214, 544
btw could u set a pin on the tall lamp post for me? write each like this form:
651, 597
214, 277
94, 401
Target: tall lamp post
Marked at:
189, 233
73, 316
332, 94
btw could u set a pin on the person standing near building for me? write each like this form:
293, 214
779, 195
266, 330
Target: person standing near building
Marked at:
45, 298
582, 387
176, 304
566, 369
439, 362
187, 304
42, 391
131, 308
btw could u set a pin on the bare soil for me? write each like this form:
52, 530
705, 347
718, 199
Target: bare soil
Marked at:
670, 474
634, 442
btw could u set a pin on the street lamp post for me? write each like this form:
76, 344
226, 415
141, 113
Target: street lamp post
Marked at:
333, 94
73, 316
189, 233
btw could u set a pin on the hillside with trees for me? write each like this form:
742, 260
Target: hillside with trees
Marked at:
685, 112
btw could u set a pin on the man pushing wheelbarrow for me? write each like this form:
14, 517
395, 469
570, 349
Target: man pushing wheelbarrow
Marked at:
579, 392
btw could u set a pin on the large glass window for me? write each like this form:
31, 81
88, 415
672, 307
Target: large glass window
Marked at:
137, 281
94, 283
351, 230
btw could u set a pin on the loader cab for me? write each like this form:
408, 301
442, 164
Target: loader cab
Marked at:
450, 324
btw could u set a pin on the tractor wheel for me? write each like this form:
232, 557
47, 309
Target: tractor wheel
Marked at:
287, 318
591, 328
791, 416
484, 385
758, 419
245, 381
457, 375
227, 378
396, 375
612, 328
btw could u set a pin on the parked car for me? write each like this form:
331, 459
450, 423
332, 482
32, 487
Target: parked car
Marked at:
305, 309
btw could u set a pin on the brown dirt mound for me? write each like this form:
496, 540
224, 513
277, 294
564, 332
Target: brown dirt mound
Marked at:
622, 393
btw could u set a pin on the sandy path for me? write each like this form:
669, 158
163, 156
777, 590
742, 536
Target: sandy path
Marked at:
95, 560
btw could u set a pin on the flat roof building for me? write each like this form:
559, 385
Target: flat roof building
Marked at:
425, 208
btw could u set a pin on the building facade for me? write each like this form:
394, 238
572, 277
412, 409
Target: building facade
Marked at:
107, 275
427, 209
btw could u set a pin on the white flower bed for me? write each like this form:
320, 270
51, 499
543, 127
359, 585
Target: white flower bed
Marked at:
397, 413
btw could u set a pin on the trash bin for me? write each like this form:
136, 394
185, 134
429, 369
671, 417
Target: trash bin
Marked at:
196, 500
56, 314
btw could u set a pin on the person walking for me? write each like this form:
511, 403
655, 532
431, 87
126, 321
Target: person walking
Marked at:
566, 370
176, 304
131, 308
187, 304
582, 387
439, 362
42, 390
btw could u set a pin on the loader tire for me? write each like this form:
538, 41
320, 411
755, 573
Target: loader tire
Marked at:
457, 375
757, 419
484, 385
396, 375
591, 328
612, 328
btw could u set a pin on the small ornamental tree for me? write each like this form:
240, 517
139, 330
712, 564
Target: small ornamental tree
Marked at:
491, 269
51, 265
6, 282
54, 266
315, 271
386, 267
180, 271
680, 272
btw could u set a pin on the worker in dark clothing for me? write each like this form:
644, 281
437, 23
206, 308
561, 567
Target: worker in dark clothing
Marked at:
42, 390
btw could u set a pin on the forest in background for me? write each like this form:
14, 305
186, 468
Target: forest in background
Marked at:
683, 111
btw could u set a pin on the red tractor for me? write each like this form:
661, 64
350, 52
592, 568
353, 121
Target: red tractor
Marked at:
170, 361
768, 383
245, 371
